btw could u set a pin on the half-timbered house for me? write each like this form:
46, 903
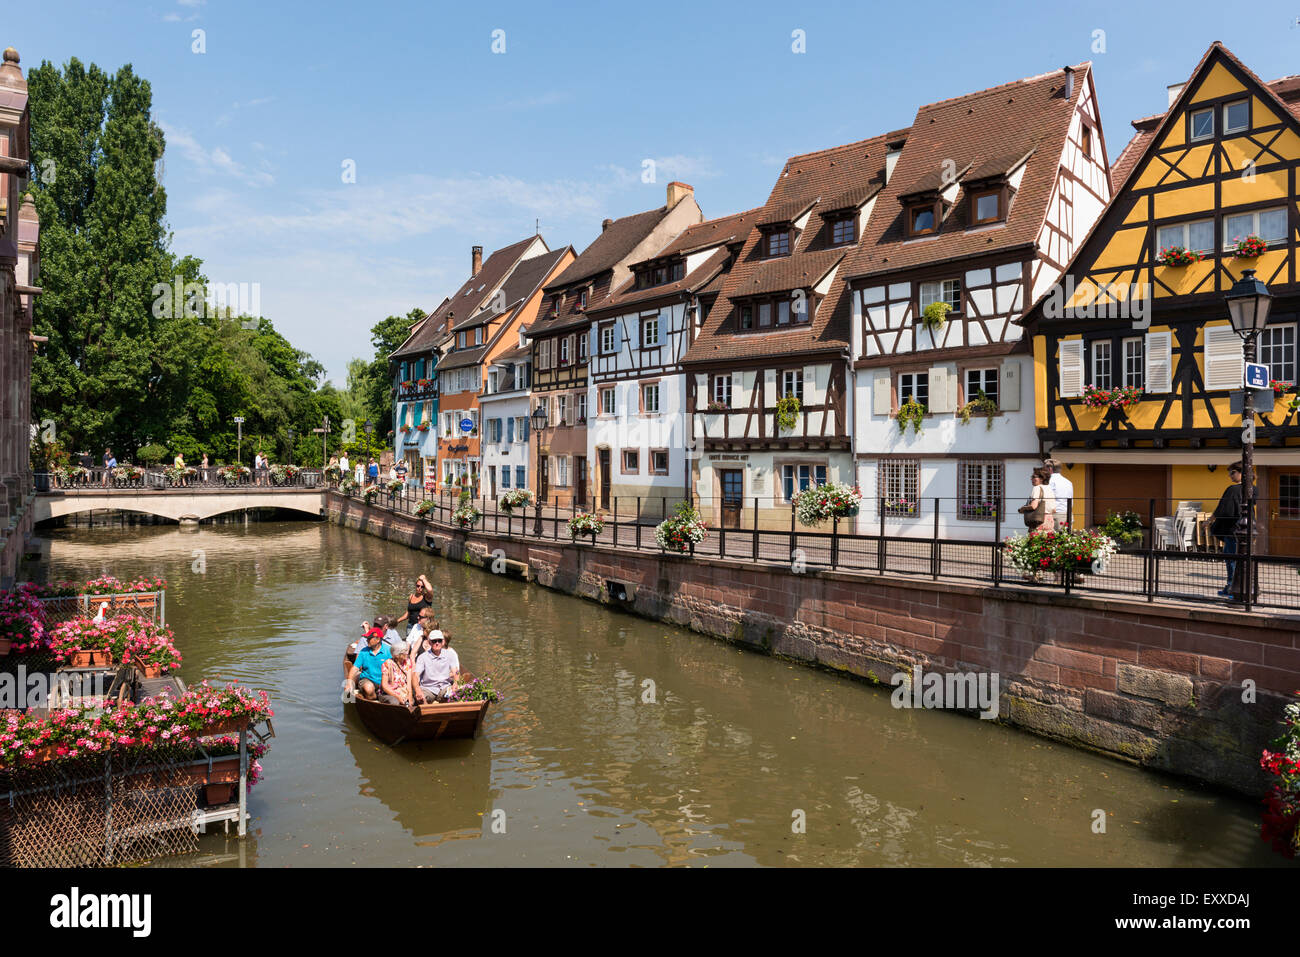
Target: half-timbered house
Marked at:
1136, 362
561, 339
638, 432
989, 195
767, 373
425, 397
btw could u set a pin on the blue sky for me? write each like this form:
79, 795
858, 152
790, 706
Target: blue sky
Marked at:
455, 145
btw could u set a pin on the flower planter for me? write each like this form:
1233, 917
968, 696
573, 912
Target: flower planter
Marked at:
151, 671
221, 793
224, 772
226, 726
94, 658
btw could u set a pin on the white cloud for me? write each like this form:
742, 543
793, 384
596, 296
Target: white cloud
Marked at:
667, 168
212, 161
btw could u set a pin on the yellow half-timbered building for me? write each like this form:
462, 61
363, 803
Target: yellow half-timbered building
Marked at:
1136, 362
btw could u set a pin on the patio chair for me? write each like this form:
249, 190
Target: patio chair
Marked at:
1166, 532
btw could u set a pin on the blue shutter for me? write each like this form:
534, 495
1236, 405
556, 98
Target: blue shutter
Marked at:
403, 371
527, 426
510, 430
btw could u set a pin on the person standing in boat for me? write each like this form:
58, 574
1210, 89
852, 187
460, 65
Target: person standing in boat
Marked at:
398, 684
366, 677
437, 669
421, 597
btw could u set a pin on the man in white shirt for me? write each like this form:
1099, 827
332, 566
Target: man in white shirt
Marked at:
1062, 490
437, 669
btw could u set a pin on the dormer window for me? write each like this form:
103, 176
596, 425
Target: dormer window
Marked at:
923, 218
1202, 124
460, 339
555, 306
582, 300
659, 275
844, 230
986, 206
777, 242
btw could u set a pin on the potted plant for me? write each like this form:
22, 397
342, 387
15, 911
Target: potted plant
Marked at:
1249, 247
1178, 256
813, 506
465, 515
682, 531
424, 508
585, 523
935, 316
471, 688
1280, 387
424, 425
716, 406
516, 498
788, 408
1124, 527
1119, 398
911, 413
980, 405
1281, 823
234, 474
347, 485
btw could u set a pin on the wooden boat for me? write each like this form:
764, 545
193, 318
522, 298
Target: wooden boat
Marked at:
394, 723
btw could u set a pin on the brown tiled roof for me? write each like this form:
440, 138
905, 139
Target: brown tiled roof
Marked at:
460, 358
569, 315
725, 232
518, 287
608, 249
514, 355
980, 134
848, 170
468, 299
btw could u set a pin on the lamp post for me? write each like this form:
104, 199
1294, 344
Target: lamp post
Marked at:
539, 418
239, 442
1249, 302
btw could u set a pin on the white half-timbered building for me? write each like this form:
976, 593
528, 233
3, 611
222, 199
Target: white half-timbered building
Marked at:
989, 197
767, 375
638, 431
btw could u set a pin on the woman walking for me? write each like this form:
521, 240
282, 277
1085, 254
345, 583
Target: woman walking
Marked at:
1039, 511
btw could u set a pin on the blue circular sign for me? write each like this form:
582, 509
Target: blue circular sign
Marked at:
467, 425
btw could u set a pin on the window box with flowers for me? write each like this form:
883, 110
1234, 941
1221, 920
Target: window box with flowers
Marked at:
1178, 256
425, 424
585, 523
813, 506
911, 413
1118, 398
1249, 247
1280, 387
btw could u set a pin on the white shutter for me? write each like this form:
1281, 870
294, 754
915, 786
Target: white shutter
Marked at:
940, 394
1071, 368
571, 410
1008, 386
1224, 362
881, 400
1159, 353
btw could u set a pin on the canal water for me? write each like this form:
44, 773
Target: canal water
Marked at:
738, 760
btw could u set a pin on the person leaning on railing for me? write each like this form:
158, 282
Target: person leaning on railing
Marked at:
1227, 515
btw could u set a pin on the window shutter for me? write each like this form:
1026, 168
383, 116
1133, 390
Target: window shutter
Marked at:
1224, 362
570, 410
1159, 368
1071, 371
941, 397
510, 430
1008, 387
523, 432
881, 401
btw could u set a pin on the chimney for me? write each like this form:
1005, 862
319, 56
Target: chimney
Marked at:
605, 224
475, 260
1069, 82
1174, 90
678, 192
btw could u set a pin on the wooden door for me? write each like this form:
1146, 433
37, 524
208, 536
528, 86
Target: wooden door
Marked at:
733, 497
1283, 511
580, 481
492, 481
1128, 488
606, 478
543, 480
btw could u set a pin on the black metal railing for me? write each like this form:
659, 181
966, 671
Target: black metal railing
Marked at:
925, 544
138, 478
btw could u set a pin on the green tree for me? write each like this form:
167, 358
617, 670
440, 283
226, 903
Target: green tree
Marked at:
385, 337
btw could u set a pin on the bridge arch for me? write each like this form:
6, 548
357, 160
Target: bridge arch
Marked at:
177, 505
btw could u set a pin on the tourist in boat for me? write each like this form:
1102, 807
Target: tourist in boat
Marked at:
366, 677
421, 597
398, 677
437, 669
391, 634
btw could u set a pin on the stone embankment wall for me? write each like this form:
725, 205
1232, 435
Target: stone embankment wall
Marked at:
1194, 691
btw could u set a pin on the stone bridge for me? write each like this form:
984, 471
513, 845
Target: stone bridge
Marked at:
178, 504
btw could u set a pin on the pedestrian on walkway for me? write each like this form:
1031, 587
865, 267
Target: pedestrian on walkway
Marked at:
1062, 491
1227, 516
1040, 510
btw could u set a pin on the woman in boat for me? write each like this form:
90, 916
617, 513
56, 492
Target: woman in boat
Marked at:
399, 677
421, 597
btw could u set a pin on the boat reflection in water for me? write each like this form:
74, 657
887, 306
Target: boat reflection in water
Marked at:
438, 791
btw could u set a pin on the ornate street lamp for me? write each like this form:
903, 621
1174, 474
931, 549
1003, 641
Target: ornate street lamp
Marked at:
1249, 302
539, 419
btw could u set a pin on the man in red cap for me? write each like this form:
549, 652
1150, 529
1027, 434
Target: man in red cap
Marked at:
369, 666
